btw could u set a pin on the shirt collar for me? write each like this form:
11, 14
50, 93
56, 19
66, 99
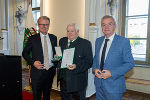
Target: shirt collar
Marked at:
73, 40
43, 34
111, 37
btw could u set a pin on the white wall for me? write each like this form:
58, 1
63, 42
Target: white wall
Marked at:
63, 12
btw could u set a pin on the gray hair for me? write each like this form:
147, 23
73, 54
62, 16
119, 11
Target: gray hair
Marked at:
43, 17
108, 16
75, 25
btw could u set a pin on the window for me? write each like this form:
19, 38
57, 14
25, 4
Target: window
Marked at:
36, 10
136, 28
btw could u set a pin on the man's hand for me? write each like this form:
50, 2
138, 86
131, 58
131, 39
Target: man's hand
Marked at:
106, 74
97, 73
55, 55
71, 67
38, 65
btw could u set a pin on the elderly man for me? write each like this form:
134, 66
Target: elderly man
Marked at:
73, 79
112, 60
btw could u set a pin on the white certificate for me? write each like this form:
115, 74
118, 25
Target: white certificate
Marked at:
67, 58
58, 51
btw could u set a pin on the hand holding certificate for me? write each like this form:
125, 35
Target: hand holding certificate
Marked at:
58, 54
67, 58
58, 51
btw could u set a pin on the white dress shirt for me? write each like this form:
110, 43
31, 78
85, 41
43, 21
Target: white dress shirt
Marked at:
50, 51
108, 46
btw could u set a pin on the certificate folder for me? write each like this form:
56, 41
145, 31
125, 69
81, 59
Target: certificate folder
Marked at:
67, 58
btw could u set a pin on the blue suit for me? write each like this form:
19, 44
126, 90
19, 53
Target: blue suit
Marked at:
118, 61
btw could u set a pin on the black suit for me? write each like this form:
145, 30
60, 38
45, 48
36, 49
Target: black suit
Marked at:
41, 80
75, 81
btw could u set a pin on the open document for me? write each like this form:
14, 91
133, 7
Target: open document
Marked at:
67, 58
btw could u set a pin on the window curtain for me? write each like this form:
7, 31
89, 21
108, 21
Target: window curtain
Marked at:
113, 7
109, 7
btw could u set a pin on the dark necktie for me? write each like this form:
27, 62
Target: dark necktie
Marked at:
69, 44
103, 54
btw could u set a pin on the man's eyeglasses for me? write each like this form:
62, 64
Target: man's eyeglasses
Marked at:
44, 24
109, 25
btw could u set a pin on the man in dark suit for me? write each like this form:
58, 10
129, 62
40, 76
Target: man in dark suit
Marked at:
73, 79
112, 60
42, 69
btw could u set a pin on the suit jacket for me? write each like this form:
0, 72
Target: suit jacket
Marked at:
77, 79
34, 45
119, 61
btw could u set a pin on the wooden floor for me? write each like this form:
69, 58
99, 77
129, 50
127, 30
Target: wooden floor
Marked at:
55, 95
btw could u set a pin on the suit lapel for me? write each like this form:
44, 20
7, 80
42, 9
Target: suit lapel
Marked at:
112, 47
51, 40
65, 43
75, 43
52, 43
39, 43
98, 46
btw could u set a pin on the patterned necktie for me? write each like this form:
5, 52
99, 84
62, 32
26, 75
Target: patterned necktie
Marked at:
103, 54
46, 57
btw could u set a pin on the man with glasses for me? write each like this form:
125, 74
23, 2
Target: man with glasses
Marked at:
42, 69
112, 60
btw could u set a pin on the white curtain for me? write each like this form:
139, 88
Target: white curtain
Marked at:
109, 7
